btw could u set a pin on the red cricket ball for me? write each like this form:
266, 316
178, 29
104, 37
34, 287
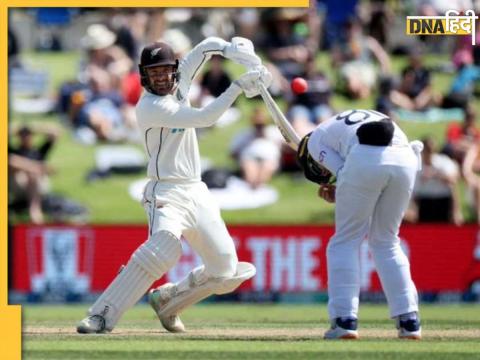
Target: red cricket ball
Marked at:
299, 85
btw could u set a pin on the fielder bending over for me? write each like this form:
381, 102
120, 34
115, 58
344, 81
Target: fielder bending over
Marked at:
375, 167
176, 201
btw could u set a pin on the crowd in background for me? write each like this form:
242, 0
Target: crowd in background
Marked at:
98, 105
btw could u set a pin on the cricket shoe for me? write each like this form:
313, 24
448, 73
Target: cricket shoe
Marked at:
160, 297
345, 329
93, 324
409, 329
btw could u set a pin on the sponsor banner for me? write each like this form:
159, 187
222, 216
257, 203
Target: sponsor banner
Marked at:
65, 260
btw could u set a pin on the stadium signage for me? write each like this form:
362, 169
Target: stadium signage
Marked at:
56, 261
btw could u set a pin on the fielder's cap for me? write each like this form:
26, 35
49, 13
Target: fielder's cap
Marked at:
98, 37
158, 53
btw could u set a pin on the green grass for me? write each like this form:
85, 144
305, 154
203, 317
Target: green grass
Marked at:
234, 331
108, 200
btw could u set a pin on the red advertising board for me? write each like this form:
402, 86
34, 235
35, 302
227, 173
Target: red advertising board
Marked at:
287, 258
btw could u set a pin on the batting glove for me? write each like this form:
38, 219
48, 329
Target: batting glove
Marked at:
241, 51
265, 76
249, 83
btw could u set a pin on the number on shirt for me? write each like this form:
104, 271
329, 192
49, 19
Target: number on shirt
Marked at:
352, 117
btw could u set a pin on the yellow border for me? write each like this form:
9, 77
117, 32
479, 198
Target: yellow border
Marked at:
163, 3
10, 316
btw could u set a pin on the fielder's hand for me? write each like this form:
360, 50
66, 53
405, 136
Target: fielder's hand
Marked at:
327, 192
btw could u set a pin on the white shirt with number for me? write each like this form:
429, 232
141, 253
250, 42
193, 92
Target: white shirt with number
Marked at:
331, 142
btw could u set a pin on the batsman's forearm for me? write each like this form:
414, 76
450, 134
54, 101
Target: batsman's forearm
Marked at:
154, 111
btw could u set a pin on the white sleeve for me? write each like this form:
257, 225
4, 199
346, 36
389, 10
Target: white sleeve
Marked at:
193, 62
326, 157
166, 111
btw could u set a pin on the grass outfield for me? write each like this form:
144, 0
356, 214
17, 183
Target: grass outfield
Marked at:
239, 331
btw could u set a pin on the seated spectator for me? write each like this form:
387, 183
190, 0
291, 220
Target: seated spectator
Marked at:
415, 84
102, 53
464, 84
101, 110
216, 80
284, 47
387, 99
309, 109
435, 195
28, 171
354, 60
461, 136
471, 170
257, 150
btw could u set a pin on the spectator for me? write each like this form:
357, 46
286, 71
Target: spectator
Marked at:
102, 109
216, 80
130, 28
435, 195
380, 19
387, 99
460, 137
336, 14
102, 53
463, 86
284, 47
247, 21
309, 109
471, 169
28, 172
13, 49
415, 84
103, 60
354, 59
257, 150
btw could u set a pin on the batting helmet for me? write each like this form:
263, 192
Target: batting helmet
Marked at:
158, 54
312, 170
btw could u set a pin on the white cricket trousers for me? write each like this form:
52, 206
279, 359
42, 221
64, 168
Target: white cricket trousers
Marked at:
190, 210
372, 194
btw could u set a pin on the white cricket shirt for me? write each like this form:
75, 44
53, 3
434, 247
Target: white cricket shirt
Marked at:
168, 122
335, 137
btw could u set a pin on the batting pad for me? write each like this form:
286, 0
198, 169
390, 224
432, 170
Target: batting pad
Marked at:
198, 291
147, 264
158, 254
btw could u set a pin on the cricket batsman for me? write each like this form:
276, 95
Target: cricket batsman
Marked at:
375, 167
176, 201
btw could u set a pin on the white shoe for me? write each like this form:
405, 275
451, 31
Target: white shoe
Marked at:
342, 329
160, 297
409, 329
93, 324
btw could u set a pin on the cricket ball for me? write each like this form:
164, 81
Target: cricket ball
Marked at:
299, 85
